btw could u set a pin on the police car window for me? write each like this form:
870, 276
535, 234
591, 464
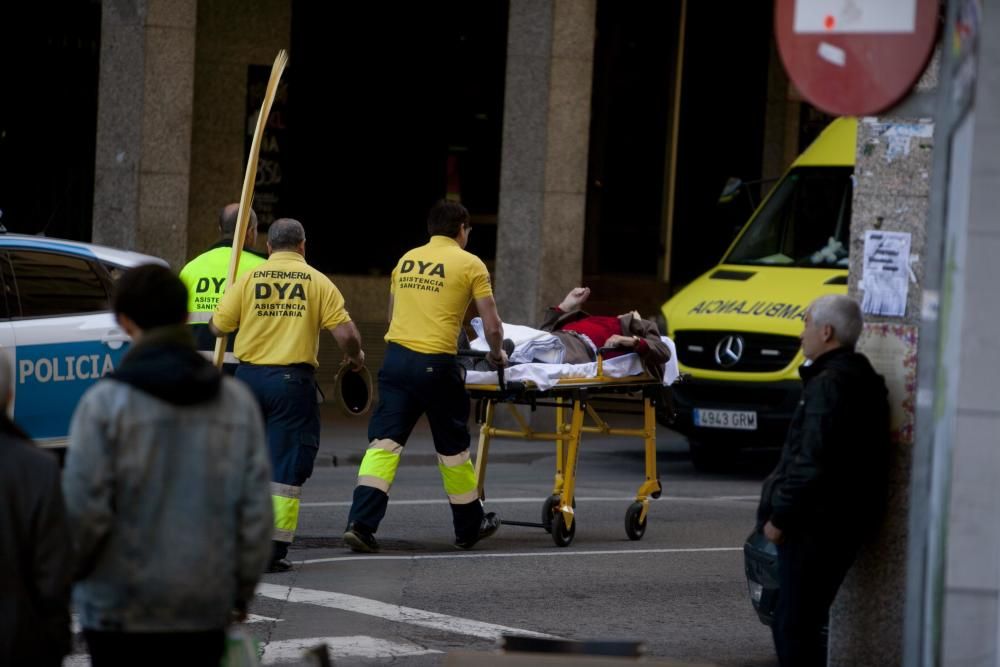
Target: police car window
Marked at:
805, 222
8, 300
52, 284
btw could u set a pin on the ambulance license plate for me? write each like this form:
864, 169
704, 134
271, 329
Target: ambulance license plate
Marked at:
741, 420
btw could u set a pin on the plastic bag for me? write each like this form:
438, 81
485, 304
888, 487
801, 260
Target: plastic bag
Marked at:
242, 649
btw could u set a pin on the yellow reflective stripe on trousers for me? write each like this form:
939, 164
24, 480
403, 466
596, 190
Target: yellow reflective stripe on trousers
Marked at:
386, 444
374, 482
464, 498
459, 480
379, 465
286, 517
452, 461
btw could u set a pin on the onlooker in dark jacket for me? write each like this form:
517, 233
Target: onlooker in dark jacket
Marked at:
168, 490
827, 493
36, 565
583, 334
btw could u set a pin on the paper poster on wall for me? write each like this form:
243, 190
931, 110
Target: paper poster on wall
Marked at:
885, 273
892, 349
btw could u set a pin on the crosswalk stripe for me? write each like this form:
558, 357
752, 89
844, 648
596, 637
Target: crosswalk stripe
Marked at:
254, 618
582, 499
359, 646
291, 650
392, 612
524, 554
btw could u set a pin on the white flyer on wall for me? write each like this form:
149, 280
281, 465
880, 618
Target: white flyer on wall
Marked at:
886, 273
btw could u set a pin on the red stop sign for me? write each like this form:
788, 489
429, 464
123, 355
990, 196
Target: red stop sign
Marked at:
855, 57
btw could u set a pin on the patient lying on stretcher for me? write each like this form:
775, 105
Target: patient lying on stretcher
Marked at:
574, 336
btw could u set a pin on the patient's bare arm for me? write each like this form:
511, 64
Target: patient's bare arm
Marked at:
574, 299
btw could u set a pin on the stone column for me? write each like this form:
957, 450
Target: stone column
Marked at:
543, 175
144, 126
892, 193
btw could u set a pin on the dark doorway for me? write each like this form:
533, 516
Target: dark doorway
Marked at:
48, 117
391, 106
634, 65
723, 102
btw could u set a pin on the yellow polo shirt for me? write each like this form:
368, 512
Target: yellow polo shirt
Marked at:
432, 287
280, 308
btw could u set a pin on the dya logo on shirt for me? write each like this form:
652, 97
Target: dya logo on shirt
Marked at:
436, 268
284, 290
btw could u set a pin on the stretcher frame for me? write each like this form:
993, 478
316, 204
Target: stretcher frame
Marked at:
571, 400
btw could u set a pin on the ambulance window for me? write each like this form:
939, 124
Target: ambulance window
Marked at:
806, 222
52, 284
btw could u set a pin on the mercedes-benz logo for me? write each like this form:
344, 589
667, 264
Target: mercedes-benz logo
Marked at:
729, 351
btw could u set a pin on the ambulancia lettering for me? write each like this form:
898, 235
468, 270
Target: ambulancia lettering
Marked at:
786, 311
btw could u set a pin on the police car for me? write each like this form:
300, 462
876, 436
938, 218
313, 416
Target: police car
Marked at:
56, 323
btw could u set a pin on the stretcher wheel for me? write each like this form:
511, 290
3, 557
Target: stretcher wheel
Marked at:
562, 535
548, 509
634, 528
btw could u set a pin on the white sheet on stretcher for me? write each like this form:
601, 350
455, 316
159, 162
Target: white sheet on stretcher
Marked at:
546, 376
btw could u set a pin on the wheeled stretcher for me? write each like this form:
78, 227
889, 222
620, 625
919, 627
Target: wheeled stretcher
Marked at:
575, 415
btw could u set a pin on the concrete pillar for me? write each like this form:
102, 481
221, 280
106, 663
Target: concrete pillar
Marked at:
969, 370
892, 193
144, 126
543, 175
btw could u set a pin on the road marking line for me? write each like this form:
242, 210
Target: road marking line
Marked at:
254, 618
531, 554
392, 612
361, 646
584, 499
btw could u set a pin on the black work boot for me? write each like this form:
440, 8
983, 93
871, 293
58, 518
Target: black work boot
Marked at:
279, 561
279, 565
488, 526
360, 540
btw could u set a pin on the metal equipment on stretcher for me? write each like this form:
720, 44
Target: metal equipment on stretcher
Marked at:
571, 399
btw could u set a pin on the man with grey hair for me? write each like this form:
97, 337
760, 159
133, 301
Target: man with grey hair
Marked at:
36, 556
826, 496
205, 278
280, 308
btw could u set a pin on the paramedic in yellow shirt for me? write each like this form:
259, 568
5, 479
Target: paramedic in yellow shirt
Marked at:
280, 308
430, 290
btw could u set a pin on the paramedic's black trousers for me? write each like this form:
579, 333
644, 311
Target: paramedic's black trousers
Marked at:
287, 398
411, 384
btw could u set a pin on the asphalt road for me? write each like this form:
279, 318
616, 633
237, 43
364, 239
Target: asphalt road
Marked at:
680, 590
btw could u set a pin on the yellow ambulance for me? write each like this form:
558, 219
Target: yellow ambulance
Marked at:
737, 327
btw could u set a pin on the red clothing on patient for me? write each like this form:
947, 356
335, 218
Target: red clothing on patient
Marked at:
596, 327
599, 328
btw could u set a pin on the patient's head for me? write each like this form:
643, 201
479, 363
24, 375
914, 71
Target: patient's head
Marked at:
447, 218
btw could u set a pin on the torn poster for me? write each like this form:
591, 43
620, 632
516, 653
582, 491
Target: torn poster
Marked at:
886, 273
